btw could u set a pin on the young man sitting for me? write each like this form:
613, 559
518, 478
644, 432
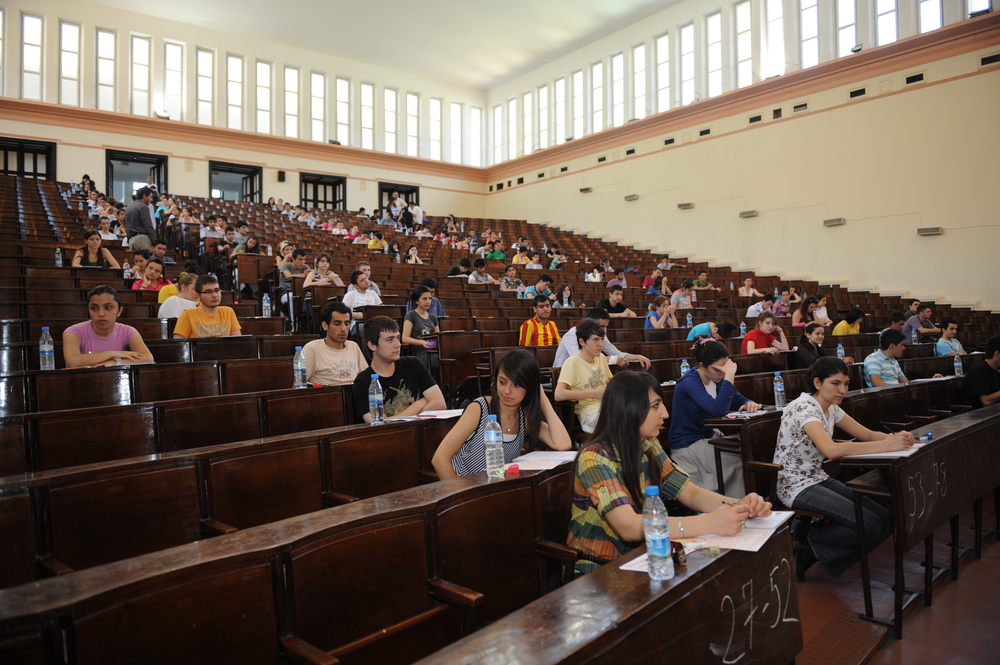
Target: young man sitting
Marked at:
681, 298
584, 377
208, 319
982, 383
569, 348
407, 386
539, 330
535, 263
334, 360
613, 304
366, 268
359, 297
541, 288
463, 269
881, 367
759, 308
949, 345
479, 275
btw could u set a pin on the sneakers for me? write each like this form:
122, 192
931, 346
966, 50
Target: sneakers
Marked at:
804, 559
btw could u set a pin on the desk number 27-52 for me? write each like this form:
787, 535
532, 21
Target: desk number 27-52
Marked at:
779, 596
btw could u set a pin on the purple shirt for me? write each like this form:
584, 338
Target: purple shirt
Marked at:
91, 342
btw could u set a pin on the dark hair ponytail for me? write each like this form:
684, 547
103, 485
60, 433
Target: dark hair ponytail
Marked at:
823, 369
707, 350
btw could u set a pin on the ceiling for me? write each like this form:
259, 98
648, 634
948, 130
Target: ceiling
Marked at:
475, 43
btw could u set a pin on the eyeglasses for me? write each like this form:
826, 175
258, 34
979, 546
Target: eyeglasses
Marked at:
212, 292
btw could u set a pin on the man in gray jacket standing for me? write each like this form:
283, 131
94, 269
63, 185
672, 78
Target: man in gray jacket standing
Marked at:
138, 222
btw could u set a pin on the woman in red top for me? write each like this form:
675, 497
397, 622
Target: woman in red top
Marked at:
767, 337
152, 279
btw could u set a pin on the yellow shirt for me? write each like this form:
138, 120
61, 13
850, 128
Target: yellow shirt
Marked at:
525, 260
166, 292
377, 244
195, 323
843, 328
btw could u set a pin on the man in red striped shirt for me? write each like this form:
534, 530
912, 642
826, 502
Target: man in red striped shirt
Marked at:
539, 330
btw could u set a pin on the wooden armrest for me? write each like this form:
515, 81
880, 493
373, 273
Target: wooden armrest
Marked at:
447, 361
923, 419
961, 408
338, 499
763, 466
897, 427
871, 484
52, 567
299, 651
454, 594
427, 477
941, 413
216, 528
548, 549
731, 443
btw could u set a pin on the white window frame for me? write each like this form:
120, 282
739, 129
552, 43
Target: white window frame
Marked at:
205, 96
527, 111
141, 48
579, 105
475, 136
687, 64
809, 33
713, 53
343, 97
847, 26
437, 128
173, 80
234, 91
744, 44
455, 132
639, 81
560, 105
263, 99
291, 86
412, 124
70, 50
617, 115
497, 133
106, 69
390, 111
32, 47
930, 15
512, 128
597, 96
367, 105
886, 22
663, 99
317, 106
542, 94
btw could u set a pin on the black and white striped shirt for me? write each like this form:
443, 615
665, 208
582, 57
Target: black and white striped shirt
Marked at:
471, 457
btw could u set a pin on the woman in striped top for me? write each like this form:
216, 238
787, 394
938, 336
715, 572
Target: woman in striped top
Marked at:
616, 464
524, 413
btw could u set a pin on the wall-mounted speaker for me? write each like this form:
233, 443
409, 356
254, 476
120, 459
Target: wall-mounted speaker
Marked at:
281, 176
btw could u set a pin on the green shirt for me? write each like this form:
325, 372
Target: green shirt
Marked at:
496, 254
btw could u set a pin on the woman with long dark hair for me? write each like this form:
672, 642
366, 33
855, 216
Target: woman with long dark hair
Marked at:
805, 314
102, 340
92, 254
805, 442
523, 411
418, 324
620, 459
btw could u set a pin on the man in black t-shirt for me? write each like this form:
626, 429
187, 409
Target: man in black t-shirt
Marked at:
613, 304
982, 383
407, 386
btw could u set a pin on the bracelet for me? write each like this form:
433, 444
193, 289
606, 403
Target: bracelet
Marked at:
680, 525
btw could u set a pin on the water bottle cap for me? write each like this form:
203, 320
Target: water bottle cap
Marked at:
491, 418
653, 490
777, 374
45, 328
298, 348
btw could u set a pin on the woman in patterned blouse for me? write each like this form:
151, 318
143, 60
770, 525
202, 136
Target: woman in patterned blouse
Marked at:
617, 463
805, 440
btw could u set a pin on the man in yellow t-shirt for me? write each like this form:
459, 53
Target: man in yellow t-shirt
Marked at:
208, 319
584, 377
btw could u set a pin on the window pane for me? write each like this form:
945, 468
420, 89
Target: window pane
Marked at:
106, 98
204, 88
887, 28
810, 24
204, 63
105, 45
70, 62
845, 12
70, 37
32, 58
32, 30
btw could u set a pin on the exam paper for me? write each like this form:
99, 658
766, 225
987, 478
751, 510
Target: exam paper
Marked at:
443, 414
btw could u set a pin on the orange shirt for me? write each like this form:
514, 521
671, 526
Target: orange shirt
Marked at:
536, 333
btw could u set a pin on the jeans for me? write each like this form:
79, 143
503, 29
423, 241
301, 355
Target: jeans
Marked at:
836, 545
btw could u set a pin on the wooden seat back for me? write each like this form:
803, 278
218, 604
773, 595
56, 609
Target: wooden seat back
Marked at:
372, 462
154, 383
193, 423
247, 376
82, 388
88, 436
17, 547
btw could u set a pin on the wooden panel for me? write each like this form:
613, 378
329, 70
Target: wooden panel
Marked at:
17, 547
372, 462
224, 618
94, 435
256, 375
194, 423
13, 450
23, 649
225, 348
256, 489
340, 596
170, 350
82, 388
176, 381
305, 410
116, 518
13, 395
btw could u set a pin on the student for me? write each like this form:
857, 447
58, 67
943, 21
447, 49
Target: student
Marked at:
881, 366
160, 252
377, 243
334, 360
681, 298
539, 330
292, 270
418, 323
820, 315
949, 345
360, 297
407, 386
564, 298
584, 376
719, 331
523, 412
806, 312
208, 319
152, 277
614, 306
759, 308
618, 462
780, 306
619, 280
479, 274
509, 281
543, 287
321, 275
569, 348
747, 290
793, 297
707, 391
92, 254
535, 263
762, 340
851, 325
463, 269
436, 308
661, 314
704, 284
186, 298
896, 322
805, 442
981, 386
366, 268
412, 256
660, 287
921, 322
103, 341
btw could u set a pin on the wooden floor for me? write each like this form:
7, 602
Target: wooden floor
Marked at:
962, 626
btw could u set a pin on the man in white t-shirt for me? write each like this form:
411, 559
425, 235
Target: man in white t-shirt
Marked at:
359, 297
584, 377
366, 268
334, 360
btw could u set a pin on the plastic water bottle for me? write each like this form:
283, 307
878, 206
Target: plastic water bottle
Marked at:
914, 336
376, 403
657, 529
299, 367
58, 257
779, 391
732, 287
840, 351
685, 367
690, 320
462, 225
959, 370
545, 247
586, 258
743, 328
397, 257
265, 305
126, 270
46, 351
776, 293
493, 438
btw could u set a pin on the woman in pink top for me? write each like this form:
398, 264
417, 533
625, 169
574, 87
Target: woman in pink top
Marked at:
152, 279
102, 340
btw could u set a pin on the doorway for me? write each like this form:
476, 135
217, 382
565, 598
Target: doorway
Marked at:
409, 193
127, 172
235, 182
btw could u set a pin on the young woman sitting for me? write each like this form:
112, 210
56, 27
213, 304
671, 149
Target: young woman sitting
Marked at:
618, 462
418, 323
805, 314
564, 297
767, 337
102, 340
152, 277
525, 415
661, 314
92, 255
805, 442
321, 275
186, 297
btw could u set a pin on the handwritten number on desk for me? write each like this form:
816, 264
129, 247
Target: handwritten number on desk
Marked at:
941, 478
915, 487
781, 604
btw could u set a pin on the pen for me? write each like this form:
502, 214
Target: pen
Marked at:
727, 503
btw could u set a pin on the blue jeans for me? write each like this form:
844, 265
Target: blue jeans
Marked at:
836, 545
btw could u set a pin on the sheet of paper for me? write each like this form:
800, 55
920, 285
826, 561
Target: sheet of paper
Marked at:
891, 455
443, 414
939, 378
772, 521
557, 455
744, 414
534, 465
748, 540
638, 565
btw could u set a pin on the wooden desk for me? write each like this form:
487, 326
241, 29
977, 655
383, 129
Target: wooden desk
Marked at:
738, 607
927, 489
